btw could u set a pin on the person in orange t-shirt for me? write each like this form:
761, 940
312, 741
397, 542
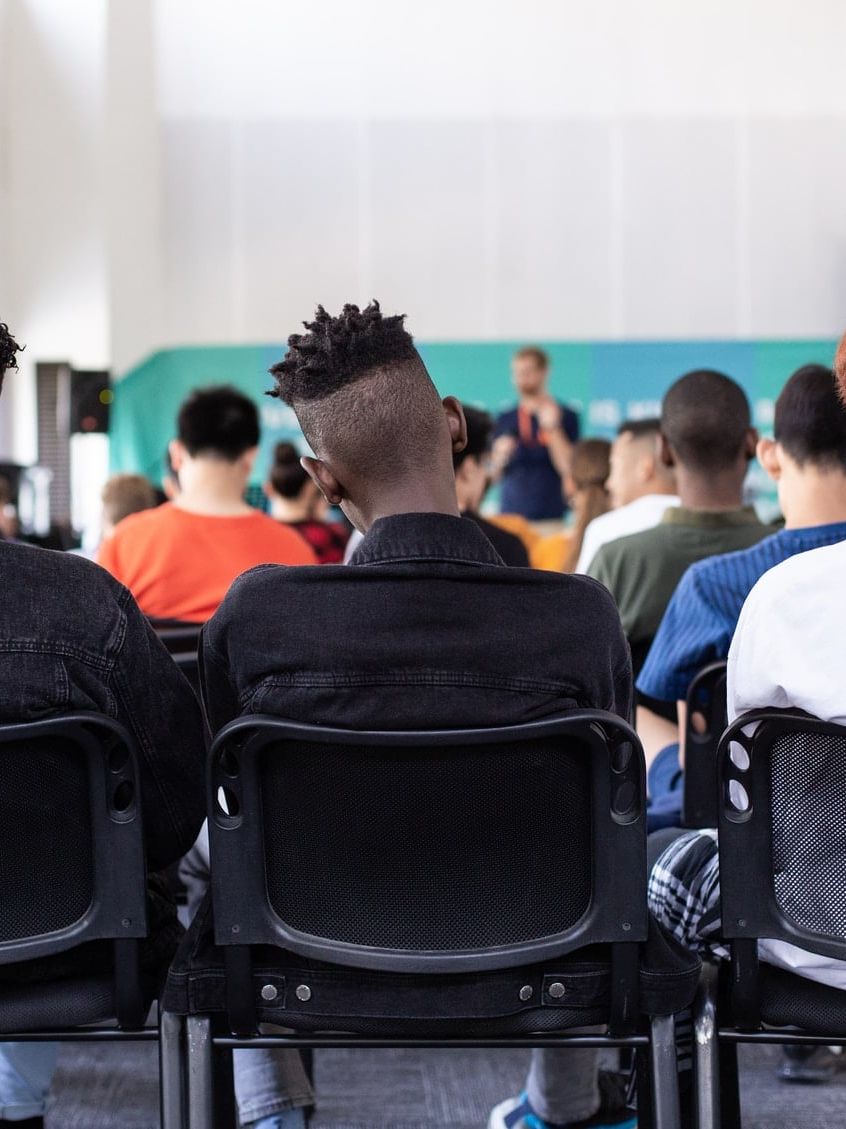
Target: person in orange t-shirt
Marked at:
179, 559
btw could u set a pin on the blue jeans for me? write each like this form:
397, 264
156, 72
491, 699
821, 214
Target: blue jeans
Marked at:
26, 1070
267, 1080
665, 783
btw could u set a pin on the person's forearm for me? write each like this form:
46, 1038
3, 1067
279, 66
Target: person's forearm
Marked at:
560, 449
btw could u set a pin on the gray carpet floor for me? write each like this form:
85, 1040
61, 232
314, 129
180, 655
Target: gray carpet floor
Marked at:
115, 1088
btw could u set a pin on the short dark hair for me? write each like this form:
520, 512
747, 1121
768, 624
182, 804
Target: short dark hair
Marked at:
705, 419
640, 428
9, 349
533, 353
810, 418
286, 475
358, 385
479, 432
218, 420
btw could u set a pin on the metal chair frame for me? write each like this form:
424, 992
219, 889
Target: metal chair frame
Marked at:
749, 911
244, 917
118, 907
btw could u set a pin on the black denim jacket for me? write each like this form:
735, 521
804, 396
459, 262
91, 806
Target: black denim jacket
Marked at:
424, 628
72, 638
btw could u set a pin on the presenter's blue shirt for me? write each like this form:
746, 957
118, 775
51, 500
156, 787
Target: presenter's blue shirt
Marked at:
531, 486
702, 615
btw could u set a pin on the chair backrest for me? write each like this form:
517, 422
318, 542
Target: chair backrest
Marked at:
705, 723
444, 851
179, 638
782, 838
72, 864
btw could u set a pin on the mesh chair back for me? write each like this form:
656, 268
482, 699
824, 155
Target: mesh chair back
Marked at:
394, 849
783, 830
706, 720
808, 829
428, 851
71, 849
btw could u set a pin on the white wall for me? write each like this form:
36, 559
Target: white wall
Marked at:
182, 171
509, 169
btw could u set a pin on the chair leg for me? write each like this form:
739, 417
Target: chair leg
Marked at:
729, 1085
171, 1071
706, 1059
200, 1072
665, 1079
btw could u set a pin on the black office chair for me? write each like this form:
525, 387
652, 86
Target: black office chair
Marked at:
782, 842
177, 636
705, 724
74, 893
452, 888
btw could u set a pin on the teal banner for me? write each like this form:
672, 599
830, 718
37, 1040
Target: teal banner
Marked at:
606, 382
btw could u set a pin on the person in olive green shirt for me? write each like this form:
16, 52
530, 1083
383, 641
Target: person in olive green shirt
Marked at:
707, 436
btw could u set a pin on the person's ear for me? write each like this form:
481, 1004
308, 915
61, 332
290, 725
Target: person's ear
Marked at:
267, 490
768, 457
248, 459
324, 479
665, 451
457, 424
176, 451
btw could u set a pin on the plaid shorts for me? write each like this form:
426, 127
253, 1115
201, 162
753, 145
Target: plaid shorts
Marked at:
684, 892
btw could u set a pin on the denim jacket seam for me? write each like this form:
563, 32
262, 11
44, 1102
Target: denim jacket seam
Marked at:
64, 650
328, 680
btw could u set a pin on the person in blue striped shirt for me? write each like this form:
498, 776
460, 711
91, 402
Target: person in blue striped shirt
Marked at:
807, 460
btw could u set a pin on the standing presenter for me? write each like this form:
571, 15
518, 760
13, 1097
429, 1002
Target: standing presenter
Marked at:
533, 443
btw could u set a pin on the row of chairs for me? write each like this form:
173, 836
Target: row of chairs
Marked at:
473, 887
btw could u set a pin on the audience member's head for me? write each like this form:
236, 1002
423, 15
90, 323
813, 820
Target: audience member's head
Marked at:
383, 440
472, 473
840, 366
292, 493
217, 441
9, 349
170, 479
585, 486
125, 494
636, 465
530, 370
808, 450
707, 436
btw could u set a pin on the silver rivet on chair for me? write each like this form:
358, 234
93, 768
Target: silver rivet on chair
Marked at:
268, 992
556, 990
303, 993
526, 992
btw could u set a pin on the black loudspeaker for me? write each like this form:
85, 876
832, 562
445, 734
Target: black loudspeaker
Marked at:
90, 397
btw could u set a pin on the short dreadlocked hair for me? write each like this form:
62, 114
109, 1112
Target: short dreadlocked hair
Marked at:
9, 348
334, 352
360, 389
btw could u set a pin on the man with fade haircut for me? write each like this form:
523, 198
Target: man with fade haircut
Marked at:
641, 488
787, 653
74, 639
425, 628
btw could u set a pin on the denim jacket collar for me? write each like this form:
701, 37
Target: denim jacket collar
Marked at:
425, 536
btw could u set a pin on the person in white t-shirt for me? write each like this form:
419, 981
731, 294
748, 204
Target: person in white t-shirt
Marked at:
640, 485
786, 653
